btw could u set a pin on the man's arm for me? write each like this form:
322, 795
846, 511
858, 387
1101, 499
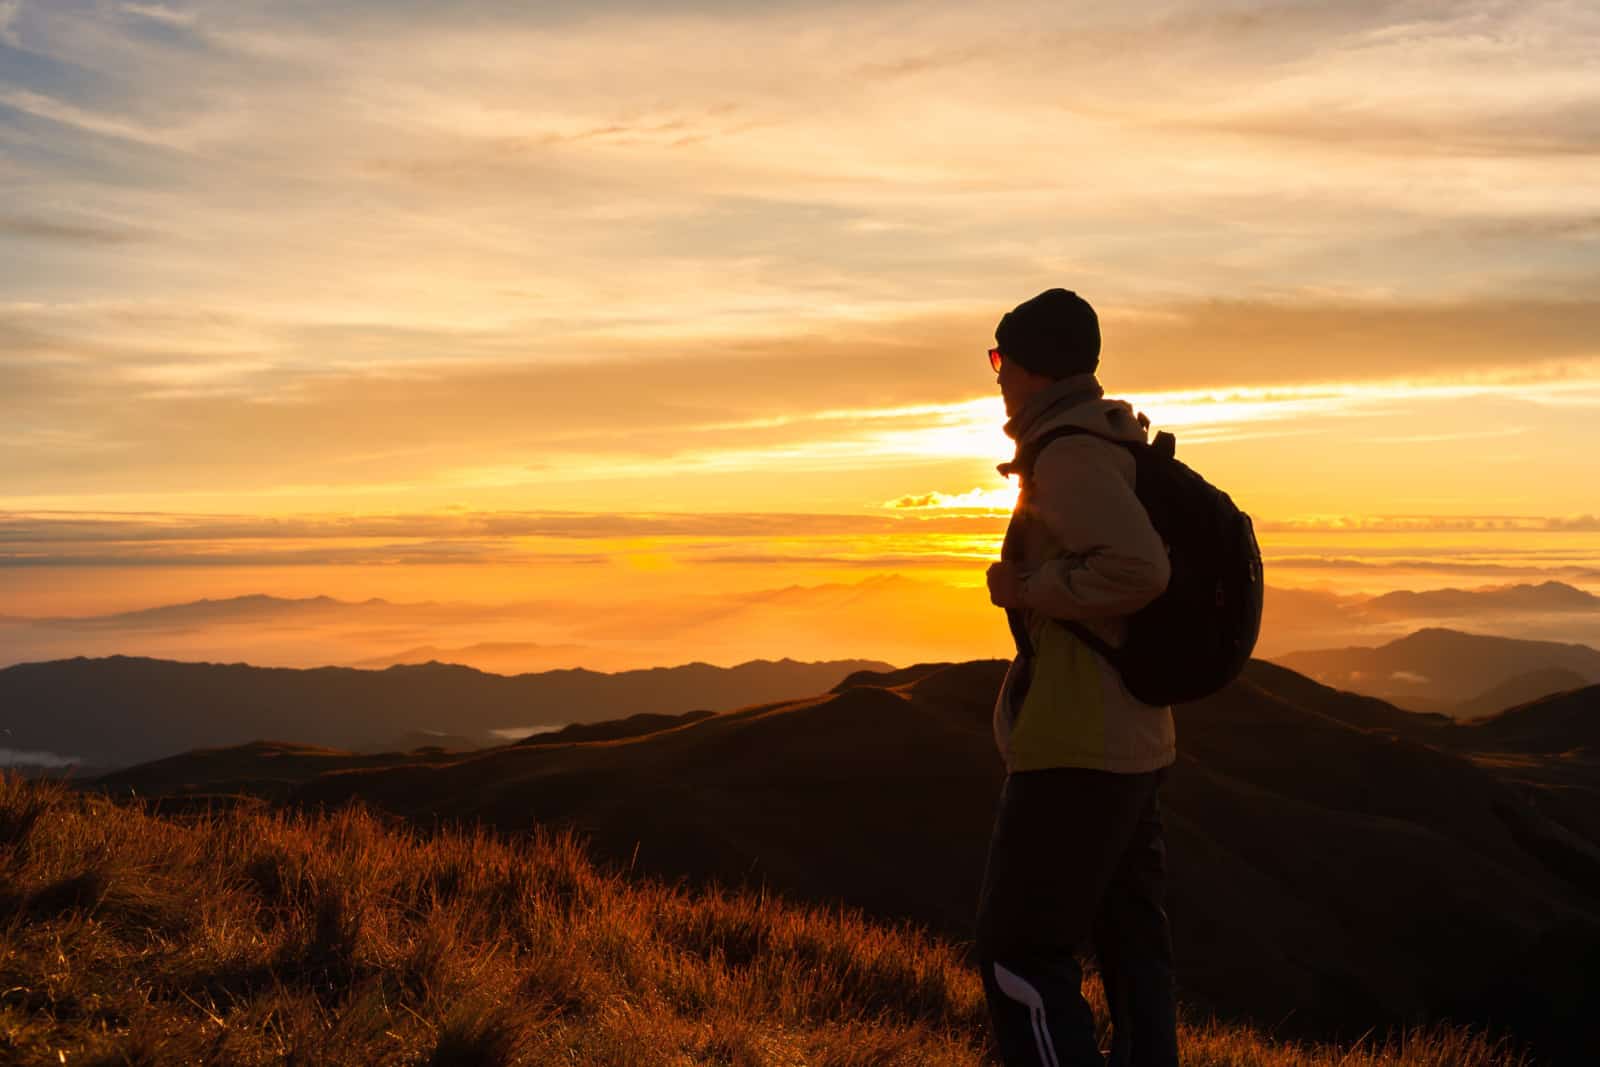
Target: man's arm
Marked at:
1116, 562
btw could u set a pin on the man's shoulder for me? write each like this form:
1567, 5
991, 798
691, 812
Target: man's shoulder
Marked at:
1070, 452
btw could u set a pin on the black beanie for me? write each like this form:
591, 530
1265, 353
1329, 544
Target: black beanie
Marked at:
1055, 334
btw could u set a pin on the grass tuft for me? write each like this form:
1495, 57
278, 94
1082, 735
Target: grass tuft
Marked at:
480, 1037
22, 803
77, 892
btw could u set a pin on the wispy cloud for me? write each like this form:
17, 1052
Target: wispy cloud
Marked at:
660, 178
9, 9
1439, 438
1492, 524
65, 230
1446, 566
920, 537
91, 121
159, 13
993, 501
501, 539
89, 527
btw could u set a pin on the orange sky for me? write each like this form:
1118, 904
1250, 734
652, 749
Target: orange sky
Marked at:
655, 301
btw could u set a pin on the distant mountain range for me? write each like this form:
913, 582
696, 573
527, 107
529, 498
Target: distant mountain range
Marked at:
886, 618
1337, 862
882, 617
313, 631
496, 657
120, 710
255, 607
1489, 602
1462, 674
1297, 619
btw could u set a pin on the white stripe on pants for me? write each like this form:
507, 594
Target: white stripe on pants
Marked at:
1022, 991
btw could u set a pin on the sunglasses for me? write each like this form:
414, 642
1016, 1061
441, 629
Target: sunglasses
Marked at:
994, 359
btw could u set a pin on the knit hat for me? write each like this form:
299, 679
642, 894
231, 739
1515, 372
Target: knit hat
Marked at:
1055, 334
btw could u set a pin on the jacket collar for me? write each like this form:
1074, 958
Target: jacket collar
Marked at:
1066, 393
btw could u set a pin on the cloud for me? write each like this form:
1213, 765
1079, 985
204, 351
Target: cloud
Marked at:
993, 501
1559, 129
60, 230
1234, 342
328, 556
734, 380
92, 121
1413, 564
550, 539
895, 563
9, 10
1578, 227
1386, 79
1434, 524
159, 13
471, 411
1464, 435
92, 528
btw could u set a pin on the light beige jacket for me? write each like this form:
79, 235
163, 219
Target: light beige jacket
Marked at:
1089, 553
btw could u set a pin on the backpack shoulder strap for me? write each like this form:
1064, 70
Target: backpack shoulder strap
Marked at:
1022, 465
1028, 452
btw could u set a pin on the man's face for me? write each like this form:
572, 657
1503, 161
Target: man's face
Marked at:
1018, 385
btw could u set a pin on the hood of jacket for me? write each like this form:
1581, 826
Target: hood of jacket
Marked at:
1077, 400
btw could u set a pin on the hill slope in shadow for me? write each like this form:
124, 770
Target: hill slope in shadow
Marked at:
1446, 670
1335, 863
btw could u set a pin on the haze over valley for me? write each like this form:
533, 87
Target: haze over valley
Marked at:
892, 618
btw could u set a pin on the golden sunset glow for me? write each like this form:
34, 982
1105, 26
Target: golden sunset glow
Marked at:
681, 313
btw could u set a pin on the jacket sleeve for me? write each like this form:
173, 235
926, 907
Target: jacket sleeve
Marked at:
1113, 562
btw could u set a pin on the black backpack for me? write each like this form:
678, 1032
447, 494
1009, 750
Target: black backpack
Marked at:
1196, 636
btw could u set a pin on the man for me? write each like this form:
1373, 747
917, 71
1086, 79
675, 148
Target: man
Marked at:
1077, 858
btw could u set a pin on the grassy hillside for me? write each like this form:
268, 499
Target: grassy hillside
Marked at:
1330, 872
248, 937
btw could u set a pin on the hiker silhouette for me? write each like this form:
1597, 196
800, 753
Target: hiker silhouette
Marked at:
1077, 858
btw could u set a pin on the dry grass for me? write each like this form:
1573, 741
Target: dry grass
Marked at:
251, 937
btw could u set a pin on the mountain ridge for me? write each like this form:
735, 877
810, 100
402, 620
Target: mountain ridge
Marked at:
1440, 669
122, 710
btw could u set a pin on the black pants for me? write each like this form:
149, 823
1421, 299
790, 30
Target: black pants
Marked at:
1077, 860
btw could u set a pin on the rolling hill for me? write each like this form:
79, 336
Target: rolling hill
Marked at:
1520, 689
1336, 861
1555, 724
119, 710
